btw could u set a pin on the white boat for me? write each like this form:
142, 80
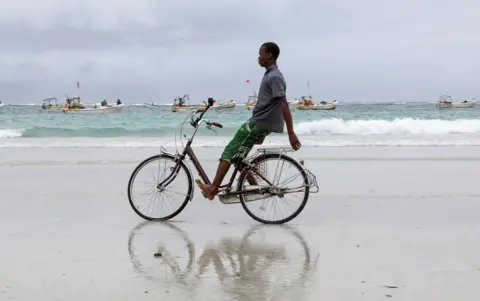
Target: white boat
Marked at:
292, 104
74, 106
115, 108
222, 106
306, 103
151, 105
48, 106
252, 100
446, 102
182, 104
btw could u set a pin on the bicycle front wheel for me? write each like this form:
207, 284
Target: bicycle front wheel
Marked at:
160, 204
288, 178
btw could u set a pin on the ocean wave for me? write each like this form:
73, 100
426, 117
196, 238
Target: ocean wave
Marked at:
405, 126
328, 127
11, 133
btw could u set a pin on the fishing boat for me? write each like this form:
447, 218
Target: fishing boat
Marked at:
252, 100
48, 105
115, 108
74, 106
182, 104
221, 106
306, 103
151, 105
292, 104
446, 102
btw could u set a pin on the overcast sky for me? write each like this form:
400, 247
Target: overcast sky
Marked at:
154, 50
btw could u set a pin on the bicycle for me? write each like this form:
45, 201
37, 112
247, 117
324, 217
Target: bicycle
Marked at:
250, 167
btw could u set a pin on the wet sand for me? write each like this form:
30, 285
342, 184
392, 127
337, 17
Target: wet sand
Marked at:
389, 224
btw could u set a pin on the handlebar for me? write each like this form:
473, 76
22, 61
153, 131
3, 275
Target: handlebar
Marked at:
218, 125
195, 123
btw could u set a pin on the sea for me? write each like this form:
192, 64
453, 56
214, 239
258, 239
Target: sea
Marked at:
138, 126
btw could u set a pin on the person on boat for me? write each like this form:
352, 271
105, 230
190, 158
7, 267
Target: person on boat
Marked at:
181, 102
269, 115
104, 103
119, 102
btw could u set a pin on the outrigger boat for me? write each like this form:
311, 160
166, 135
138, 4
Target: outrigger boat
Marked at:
306, 103
74, 106
446, 102
221, 106
47, 104
292, 104
252, 100
180, 106
151, 105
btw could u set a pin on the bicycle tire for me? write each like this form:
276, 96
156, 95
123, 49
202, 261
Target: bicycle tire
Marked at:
264, 157
143, 164
143, 269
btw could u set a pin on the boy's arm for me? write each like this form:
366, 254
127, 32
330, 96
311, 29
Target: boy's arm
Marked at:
287, 116
278, 91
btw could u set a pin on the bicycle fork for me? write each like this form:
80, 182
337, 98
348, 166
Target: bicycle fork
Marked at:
161, 186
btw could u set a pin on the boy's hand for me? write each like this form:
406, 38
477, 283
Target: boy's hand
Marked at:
294, 142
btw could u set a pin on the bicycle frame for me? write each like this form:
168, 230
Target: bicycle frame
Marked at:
188, 151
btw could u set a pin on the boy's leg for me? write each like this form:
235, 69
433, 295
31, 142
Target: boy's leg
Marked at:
212, 190
225, 161
250, 176
234, 152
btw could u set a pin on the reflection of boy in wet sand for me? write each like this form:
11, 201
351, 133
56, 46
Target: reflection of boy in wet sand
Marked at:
253, 262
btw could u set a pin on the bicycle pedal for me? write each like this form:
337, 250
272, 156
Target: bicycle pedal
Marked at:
228, 199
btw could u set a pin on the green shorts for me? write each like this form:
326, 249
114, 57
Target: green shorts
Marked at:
243, 142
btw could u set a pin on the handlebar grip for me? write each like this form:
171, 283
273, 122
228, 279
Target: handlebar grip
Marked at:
218, 125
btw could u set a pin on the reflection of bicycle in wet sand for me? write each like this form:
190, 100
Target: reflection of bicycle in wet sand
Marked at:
173, 178
248, 268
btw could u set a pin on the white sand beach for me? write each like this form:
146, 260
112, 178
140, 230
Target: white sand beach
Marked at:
389, 223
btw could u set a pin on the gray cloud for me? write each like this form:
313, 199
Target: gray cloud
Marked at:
154, 50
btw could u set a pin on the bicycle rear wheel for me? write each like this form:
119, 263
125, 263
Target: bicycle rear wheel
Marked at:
287, 175
145, 197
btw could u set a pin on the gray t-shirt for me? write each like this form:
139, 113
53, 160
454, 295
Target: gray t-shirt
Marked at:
267, 112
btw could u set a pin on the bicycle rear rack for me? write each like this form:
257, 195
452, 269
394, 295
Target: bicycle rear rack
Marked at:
274, 150
312, 181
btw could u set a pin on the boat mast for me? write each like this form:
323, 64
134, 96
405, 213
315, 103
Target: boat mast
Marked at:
309, 91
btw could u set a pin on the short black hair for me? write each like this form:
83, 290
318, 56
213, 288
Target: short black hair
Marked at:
272, 48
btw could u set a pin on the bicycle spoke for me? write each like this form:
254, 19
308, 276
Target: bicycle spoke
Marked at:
278, 205
148, 200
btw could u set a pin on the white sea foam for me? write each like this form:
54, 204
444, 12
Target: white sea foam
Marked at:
406, 126
205, 142
11, 133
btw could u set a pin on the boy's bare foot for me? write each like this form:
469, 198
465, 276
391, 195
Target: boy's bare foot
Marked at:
208, 190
